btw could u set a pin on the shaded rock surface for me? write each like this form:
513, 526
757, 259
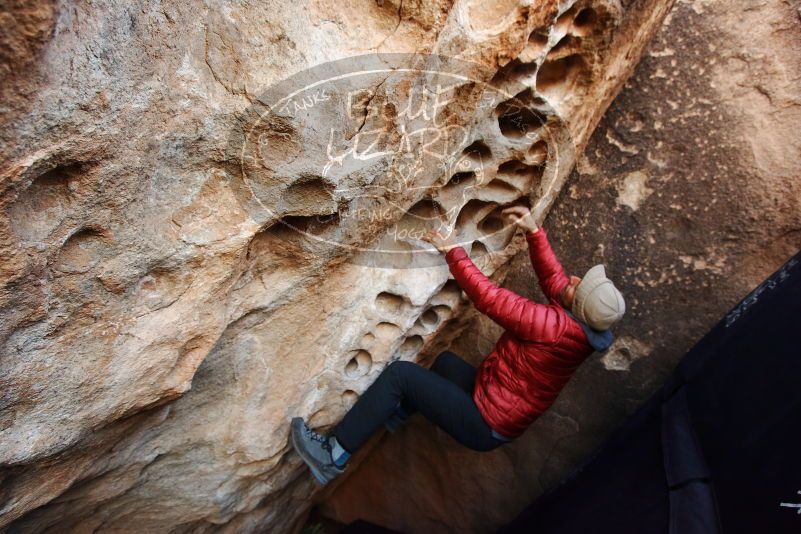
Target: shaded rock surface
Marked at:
159, 329
690, 192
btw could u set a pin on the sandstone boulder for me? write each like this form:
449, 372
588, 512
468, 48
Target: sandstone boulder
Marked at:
187, 265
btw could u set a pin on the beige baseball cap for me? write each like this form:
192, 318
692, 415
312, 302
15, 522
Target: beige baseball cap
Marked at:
597, 302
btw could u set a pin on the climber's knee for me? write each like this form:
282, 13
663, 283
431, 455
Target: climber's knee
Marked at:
399, 371
442, 359
400, 367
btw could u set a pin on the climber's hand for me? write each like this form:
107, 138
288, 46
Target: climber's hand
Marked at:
521, 216
442, 239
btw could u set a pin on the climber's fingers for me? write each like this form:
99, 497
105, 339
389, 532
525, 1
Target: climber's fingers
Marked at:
442, 239
518, 211
521, 217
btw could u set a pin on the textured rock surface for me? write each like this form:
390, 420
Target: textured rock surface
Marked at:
690, 192
158, 333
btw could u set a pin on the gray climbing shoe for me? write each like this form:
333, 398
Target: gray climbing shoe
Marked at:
315, 450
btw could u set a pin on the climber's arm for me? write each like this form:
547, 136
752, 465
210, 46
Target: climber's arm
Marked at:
522, 317
550, 274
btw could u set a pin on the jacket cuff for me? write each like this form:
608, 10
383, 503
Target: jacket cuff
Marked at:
455, 254
539, 231
539, 234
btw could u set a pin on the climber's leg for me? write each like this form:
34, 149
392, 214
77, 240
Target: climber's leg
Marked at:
447, 365
450, 366
441, 401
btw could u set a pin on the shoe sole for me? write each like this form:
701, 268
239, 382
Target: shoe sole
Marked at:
309, 461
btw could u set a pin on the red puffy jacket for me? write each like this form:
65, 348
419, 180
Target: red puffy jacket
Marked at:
540, 350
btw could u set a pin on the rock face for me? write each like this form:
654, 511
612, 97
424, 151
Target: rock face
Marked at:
690, 193
163, 317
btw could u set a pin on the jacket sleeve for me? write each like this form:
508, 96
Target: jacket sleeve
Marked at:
522, 317
550, 274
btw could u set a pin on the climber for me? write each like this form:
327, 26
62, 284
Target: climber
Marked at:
486, 407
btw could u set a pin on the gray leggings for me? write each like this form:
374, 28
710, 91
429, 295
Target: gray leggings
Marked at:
443, 394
